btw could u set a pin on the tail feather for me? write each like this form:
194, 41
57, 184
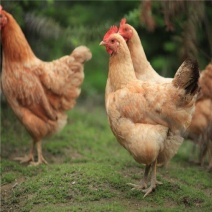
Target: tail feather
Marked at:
76, 62
81, 54
187, 77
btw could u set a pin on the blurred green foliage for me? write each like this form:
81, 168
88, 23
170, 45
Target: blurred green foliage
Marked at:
54, 28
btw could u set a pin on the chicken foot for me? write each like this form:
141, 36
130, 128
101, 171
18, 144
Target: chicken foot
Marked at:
41, 159
153, 181
30, 158
144, 181
27, 158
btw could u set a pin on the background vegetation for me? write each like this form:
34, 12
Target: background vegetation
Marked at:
169, 30
88, 170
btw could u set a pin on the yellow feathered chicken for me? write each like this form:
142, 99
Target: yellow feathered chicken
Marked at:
147, 118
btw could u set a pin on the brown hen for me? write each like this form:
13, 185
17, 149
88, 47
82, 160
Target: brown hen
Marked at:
38, 92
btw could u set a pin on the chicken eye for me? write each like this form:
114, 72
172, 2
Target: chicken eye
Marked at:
125, 29
112, 41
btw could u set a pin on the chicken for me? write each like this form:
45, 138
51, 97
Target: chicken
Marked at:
200, 130
147, 118
38, 92
142, 67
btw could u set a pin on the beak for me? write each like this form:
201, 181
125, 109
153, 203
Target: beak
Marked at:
102, 43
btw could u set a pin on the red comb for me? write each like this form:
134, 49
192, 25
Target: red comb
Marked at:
112, 30
123, 21
1, 8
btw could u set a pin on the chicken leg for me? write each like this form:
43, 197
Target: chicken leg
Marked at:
153, 181
30, 157
144, 181
40, 155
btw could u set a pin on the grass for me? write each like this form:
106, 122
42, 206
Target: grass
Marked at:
88, 171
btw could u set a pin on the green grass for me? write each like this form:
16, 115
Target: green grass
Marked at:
88, 171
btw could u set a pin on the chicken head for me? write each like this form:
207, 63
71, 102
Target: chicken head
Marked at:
3, 18
110, 44
125, 30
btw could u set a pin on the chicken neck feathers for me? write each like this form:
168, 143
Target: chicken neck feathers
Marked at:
143, 69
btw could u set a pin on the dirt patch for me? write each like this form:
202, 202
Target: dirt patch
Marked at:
208, 192
7, 193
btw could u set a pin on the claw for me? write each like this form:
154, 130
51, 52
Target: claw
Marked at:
148, 190
131, 184
37, 163
40, 161
158, 182
25, 159
135, 187
143, 188
138, 187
